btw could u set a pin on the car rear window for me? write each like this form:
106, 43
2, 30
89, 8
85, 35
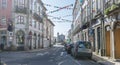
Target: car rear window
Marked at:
85, 45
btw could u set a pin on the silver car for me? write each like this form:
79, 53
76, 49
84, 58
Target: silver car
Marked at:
82, 49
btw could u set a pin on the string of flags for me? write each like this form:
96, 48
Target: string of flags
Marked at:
59, 18
60, 8
57, 6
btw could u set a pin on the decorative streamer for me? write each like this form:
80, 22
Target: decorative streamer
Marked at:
60, 8
57, 6
59, 18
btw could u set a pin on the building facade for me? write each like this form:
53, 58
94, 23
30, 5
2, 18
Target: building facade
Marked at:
76, 24
5, 20
27, 28
99, 23
60, 38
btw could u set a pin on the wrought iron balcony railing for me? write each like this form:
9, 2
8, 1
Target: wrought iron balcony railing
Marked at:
37, 17
19, 9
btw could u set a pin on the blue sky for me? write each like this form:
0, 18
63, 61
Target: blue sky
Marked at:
61, 27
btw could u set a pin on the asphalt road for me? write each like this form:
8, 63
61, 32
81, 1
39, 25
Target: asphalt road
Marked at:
51, 56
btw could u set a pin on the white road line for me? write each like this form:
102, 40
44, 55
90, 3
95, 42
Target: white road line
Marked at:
61, 62
41, 54
61, 53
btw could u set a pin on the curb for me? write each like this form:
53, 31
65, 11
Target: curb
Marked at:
101, 60
26, 51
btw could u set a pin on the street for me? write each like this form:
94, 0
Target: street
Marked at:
51, 56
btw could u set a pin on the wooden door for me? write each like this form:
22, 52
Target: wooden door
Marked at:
107, 43
117, 43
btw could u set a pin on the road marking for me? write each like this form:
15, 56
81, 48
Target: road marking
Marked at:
39, 54
61, 62
61, 53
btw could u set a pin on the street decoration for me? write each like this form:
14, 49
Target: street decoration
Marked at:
68, 8
59, 18
60, 8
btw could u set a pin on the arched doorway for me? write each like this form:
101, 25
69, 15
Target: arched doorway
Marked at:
94, 38
35, 41
20, 39
107, 39
3, 42
39, 41
30, 40
98, 39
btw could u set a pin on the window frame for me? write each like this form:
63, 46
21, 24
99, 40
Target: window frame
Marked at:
4, 4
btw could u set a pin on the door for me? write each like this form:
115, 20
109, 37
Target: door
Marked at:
107, 43
117, 43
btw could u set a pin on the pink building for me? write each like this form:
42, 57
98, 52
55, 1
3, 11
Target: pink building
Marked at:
5, 18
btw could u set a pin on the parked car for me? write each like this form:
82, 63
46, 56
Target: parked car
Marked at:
68, 47
82, 49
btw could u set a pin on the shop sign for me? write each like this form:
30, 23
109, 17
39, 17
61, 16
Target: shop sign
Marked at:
10, 33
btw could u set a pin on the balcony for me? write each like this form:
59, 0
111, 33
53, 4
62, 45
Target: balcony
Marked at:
22, 10
113, 8
37, 17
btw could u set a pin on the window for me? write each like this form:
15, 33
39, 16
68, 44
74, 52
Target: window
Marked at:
3, 22
20, 20
3, 32
4, 4
39, 26
30, 23
21, 3
35, 24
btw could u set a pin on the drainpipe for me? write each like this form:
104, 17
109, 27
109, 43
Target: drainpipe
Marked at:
103, 32
102, 38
